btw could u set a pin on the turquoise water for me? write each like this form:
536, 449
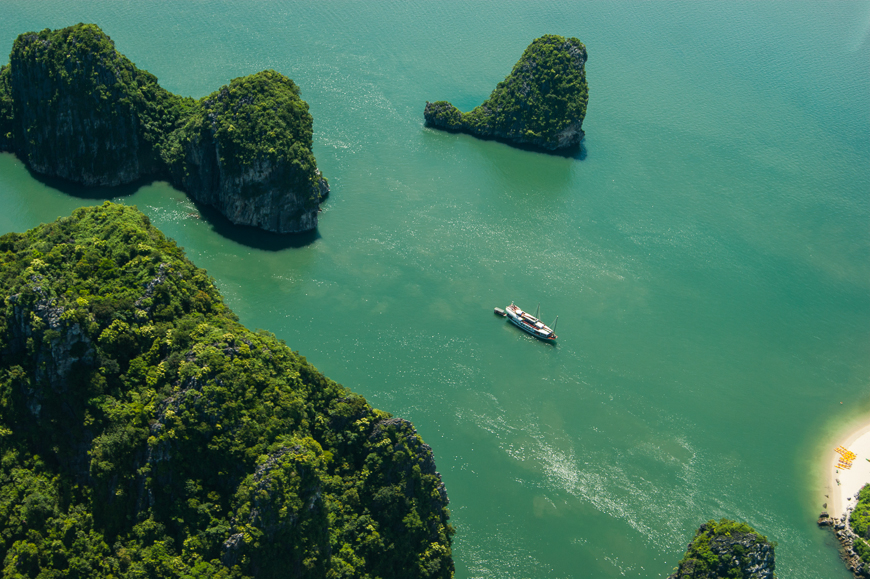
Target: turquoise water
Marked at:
708, 255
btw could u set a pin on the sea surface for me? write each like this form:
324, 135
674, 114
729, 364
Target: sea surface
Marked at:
707, 253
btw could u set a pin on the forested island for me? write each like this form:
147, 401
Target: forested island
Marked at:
541, 103
727, 549
144, 432
72, 106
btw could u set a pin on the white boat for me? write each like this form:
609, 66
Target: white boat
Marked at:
531, 324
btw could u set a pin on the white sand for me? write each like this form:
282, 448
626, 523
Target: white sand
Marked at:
851, 480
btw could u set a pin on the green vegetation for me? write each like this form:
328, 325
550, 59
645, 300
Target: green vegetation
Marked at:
71, 86
444, 115
145, 433
6, 114
859, 521
255, 121
727, 549
74, 107
542, 101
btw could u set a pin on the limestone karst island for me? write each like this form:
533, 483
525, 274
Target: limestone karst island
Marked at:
144, 432
72, 106
541, 103
724, 549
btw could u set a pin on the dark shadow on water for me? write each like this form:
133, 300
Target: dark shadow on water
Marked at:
576, 152
252, 236
89, 191
243, 234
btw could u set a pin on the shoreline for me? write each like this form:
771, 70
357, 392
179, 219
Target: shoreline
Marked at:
857, 440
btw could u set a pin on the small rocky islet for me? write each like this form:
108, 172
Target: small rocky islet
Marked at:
726, 548
73, 107
542, 102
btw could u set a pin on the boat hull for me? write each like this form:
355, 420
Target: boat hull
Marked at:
516, 317
530, 331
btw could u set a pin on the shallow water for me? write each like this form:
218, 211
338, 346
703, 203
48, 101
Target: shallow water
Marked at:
708, 255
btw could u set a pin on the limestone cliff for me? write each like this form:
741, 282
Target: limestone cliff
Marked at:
6, 115
247, 151
541, 103
727, 549
81, 108
72, 106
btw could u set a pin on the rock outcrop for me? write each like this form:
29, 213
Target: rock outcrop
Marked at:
72, 106
851, 530
847, 538
727, 549
542, 102
6, 114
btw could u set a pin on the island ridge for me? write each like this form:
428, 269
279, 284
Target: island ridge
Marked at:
72, 106
144, 432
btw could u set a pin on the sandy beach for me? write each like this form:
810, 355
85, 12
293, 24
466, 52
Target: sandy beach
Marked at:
851, 480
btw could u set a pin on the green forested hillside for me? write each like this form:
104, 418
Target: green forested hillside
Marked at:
145, 433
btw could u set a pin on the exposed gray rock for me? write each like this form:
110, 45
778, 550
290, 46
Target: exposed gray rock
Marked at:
259, 196
737, 554
846, 537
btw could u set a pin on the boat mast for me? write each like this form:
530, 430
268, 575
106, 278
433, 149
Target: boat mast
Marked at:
555, 322
538, 312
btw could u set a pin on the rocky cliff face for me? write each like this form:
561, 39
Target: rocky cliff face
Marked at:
6, 115
541, 103
76, 104
727, 549
853, 544
71, 106
247, 152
